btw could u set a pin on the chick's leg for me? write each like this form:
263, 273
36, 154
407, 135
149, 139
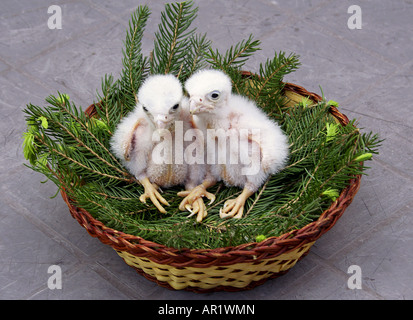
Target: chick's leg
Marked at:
193, 201
152, 193
235, 207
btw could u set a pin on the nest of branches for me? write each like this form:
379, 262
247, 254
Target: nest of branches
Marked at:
70, 146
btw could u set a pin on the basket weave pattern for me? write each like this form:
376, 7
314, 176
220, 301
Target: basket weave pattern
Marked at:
237, 275
231, 268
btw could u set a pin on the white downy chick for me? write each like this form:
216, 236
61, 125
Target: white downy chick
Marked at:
253, 146
146, 140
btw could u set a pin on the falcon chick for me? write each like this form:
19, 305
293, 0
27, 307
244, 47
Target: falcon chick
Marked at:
138, 142
244, 147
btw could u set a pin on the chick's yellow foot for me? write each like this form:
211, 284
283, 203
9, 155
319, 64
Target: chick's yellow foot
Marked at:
192, 195
194, 203
234, 208
197, 208
152, 193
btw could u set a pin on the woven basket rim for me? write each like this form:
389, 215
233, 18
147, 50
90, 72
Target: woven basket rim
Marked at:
248, 252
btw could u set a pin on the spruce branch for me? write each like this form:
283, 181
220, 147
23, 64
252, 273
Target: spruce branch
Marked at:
95, 154
195, 57
173, 38
272, 73
78, 163
266, 87
235, 57
107, 106
80, 119
135, 66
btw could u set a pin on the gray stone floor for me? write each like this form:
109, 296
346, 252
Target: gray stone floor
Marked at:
368, 71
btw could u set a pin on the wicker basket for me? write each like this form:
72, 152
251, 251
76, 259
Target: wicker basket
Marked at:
223, 269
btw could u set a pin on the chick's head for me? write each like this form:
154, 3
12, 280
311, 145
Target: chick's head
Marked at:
160, 98
208, 91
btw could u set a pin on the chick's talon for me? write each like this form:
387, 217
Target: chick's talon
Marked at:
152, 193
194, 203
198, 208
193, 195
233, 208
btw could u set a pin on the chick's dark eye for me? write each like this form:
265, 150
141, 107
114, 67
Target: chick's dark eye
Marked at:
214, 95
175, 106
144, 109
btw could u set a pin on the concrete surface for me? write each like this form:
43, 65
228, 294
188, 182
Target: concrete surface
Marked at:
368, 71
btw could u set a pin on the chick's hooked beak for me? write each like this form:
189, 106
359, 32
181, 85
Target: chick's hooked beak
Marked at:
162, 121
199, 105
